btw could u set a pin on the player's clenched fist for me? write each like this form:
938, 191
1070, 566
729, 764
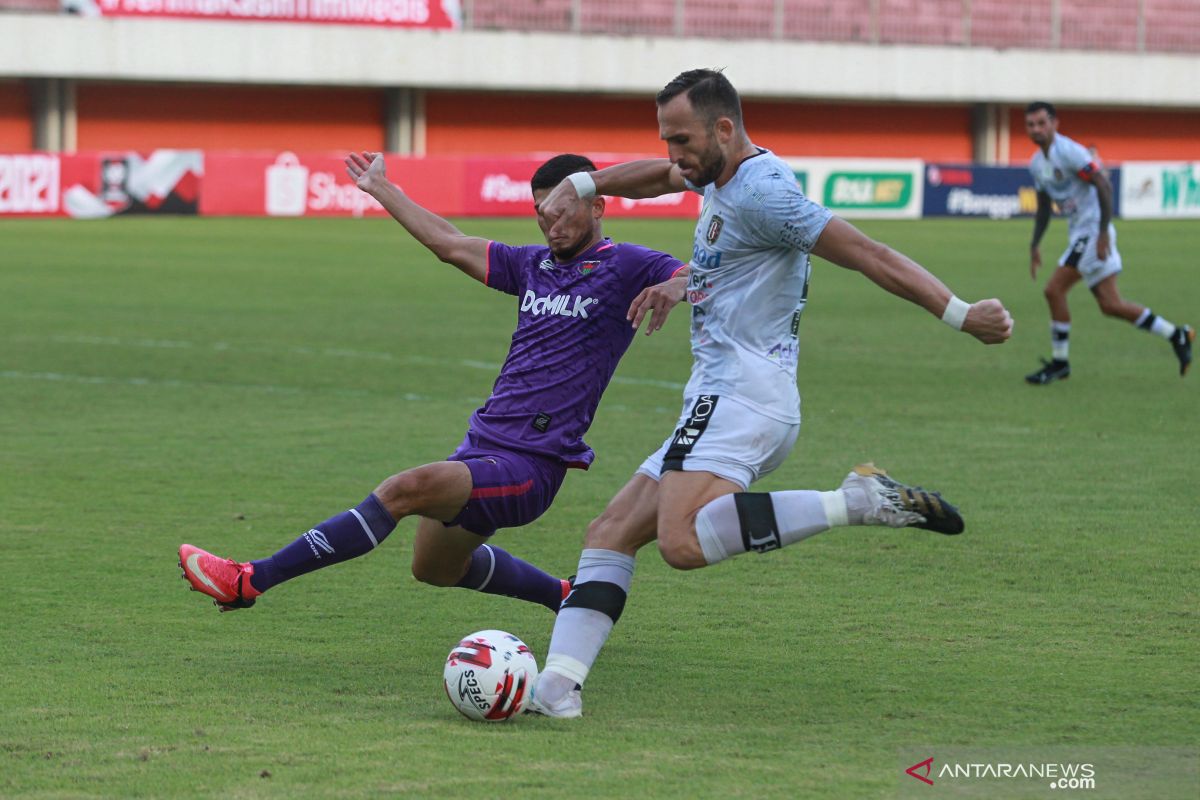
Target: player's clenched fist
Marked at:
989, 322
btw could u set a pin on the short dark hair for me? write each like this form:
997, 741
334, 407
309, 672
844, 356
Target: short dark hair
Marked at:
710, 92
551, 173
1042, 105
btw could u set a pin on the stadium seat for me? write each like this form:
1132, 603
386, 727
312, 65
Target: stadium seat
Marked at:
1093, 25
730, 19
935, 22
525, 15
1010, 23
626, 18
31, 6
828, 20
1173, 25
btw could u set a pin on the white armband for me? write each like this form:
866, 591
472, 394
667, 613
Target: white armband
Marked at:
955, 313
584, 183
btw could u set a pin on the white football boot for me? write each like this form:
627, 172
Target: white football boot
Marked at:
569, 706
881, 500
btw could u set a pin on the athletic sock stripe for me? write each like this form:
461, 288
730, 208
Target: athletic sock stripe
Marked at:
607, 598
491, 569
756, 515
366, 528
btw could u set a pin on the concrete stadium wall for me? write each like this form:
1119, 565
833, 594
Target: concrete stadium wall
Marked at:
150, 116
1119, 134
477, 123
144, 84
285, 53
16, 115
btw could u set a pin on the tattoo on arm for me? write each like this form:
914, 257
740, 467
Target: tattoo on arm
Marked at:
1104, 193
1042, 220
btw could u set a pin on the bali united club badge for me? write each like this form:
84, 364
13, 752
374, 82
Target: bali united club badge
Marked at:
586, 267
714, 229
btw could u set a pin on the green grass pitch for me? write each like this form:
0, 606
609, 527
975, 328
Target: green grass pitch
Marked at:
232, 382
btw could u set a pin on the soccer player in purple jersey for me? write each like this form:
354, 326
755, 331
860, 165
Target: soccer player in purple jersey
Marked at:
577, 299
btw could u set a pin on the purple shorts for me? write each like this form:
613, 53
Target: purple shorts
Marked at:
511, 488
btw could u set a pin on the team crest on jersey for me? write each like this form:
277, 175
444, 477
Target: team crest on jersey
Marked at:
547, 265
714, 229
587, 267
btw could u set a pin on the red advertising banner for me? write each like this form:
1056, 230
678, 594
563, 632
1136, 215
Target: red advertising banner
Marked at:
439, 14
96, 185
500, 188
286, 184
316, 184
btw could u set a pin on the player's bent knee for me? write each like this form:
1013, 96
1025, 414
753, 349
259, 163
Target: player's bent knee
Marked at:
605, 532
682, 554
435, 574
602, 532
401, 493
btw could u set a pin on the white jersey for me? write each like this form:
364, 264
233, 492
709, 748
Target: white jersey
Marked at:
1065, 175
749, 284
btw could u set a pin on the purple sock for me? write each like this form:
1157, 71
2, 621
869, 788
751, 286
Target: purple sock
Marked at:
495, 571
337, 539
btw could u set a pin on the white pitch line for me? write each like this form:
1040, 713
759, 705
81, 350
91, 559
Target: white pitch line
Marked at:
331, 352
172, 383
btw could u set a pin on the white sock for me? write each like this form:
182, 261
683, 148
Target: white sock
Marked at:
1149, 321
585, 621
1160, 327
1060, 340
735, 523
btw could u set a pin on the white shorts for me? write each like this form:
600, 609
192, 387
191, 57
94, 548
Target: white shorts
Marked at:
722, 436
1081, 255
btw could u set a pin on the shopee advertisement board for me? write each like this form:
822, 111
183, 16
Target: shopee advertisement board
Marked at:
290, 184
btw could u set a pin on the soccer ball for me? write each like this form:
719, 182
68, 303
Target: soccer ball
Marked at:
489, 675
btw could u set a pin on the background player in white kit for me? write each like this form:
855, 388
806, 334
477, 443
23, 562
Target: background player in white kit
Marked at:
748, 287
1066, 173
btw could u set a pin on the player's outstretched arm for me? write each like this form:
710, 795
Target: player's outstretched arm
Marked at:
847, 246
659, 299
448, 243
648, 177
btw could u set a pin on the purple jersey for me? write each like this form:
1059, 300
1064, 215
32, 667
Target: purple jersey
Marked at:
571, 332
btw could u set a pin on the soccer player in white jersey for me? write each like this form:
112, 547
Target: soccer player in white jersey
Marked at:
1066, 173
748, 287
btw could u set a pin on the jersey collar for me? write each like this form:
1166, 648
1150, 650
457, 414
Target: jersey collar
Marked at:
601, 249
